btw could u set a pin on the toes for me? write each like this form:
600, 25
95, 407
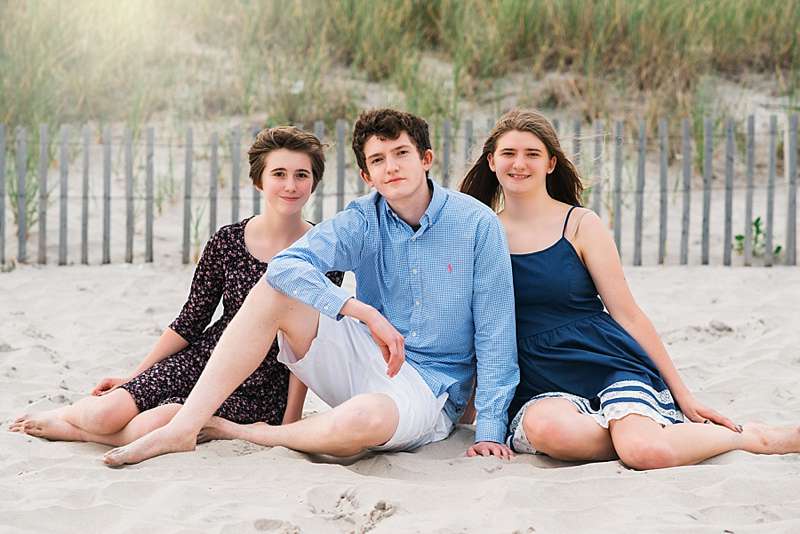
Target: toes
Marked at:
114, 457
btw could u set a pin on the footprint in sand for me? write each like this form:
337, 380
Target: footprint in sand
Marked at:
275, 525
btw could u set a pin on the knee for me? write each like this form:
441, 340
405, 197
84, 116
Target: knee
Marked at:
106, 415
547, 434
102, 418
369, 420
641, 454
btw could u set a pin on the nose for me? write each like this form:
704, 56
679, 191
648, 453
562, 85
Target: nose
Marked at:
391, 164
519, 162
291, 184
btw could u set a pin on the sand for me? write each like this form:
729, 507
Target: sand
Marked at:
733, 333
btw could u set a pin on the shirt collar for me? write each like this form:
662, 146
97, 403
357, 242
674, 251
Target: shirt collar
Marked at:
438, 199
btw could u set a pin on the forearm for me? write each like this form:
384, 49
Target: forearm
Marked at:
643, 331
168, 344
295, 400
359, 310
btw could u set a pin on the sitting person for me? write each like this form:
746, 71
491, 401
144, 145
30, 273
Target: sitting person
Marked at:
594, 384
286, 164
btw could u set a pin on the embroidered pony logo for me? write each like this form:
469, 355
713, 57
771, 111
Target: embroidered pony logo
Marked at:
449, 267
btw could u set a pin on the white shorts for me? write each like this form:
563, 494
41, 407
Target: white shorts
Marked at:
344, 361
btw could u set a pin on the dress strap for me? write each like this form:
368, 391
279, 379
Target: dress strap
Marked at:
566, 220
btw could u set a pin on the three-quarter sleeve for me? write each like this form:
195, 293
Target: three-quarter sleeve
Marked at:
206, 291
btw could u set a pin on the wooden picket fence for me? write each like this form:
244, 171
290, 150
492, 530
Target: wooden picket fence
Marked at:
607, 194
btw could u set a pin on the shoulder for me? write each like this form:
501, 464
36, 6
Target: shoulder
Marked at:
230, 234
587, 230
464, 202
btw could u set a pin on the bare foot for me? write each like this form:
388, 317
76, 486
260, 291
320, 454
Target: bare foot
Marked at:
163, 440
765, 439
52, 427
48, 425
219, 428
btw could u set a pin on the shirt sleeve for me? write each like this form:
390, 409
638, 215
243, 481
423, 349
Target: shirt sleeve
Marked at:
206, 291
495, 333
333, 245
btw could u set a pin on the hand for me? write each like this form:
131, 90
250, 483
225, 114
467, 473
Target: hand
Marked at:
699, 413
107, 385
390, 342
490, 448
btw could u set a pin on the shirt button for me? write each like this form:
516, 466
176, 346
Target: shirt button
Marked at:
414, 270
414, 334
414, 238
416, 302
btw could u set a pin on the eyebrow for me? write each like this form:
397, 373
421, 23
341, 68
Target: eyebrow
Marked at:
525, 149
284, 169
376, 154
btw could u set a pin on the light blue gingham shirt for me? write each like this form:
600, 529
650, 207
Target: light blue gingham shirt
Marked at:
446, 287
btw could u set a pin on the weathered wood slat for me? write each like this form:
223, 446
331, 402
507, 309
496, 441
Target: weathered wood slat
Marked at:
187, 197
640, 180
748, 203
235, 143
687, 189
213, 181
769, 256
64, 192
341, 126
663, 172
44, 165
791, 212
149, 194
128, 140
597, 186
708, 169
85, 197
730, 147
107, 195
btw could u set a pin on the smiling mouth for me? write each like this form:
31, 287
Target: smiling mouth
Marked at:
292, 199
518, 176
394, 180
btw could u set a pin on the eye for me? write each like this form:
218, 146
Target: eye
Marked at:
278, 174
375, 161
303, 176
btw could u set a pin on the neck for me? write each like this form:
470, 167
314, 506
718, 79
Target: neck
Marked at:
528, 205
412, 209
279, 226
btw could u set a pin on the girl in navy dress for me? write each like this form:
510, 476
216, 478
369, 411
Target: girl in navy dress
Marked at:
596, 382
286, 164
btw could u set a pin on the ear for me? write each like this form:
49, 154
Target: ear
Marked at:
427, 159
553, 161
365, 177
259, 187
490, 161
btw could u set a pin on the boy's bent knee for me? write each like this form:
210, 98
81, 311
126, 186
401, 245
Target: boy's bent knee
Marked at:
367, 420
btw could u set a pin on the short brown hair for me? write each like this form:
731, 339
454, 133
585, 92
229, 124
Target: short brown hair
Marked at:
290, 138
388, 123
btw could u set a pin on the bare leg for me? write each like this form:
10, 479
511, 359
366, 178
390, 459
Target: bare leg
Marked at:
106, 414
364, 421
556, 428
239, 352
140, 425
644, 444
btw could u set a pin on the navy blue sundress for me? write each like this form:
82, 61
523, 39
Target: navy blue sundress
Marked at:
570, 347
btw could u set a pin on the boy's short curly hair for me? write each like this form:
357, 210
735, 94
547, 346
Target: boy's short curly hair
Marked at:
388, 123
290, 138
